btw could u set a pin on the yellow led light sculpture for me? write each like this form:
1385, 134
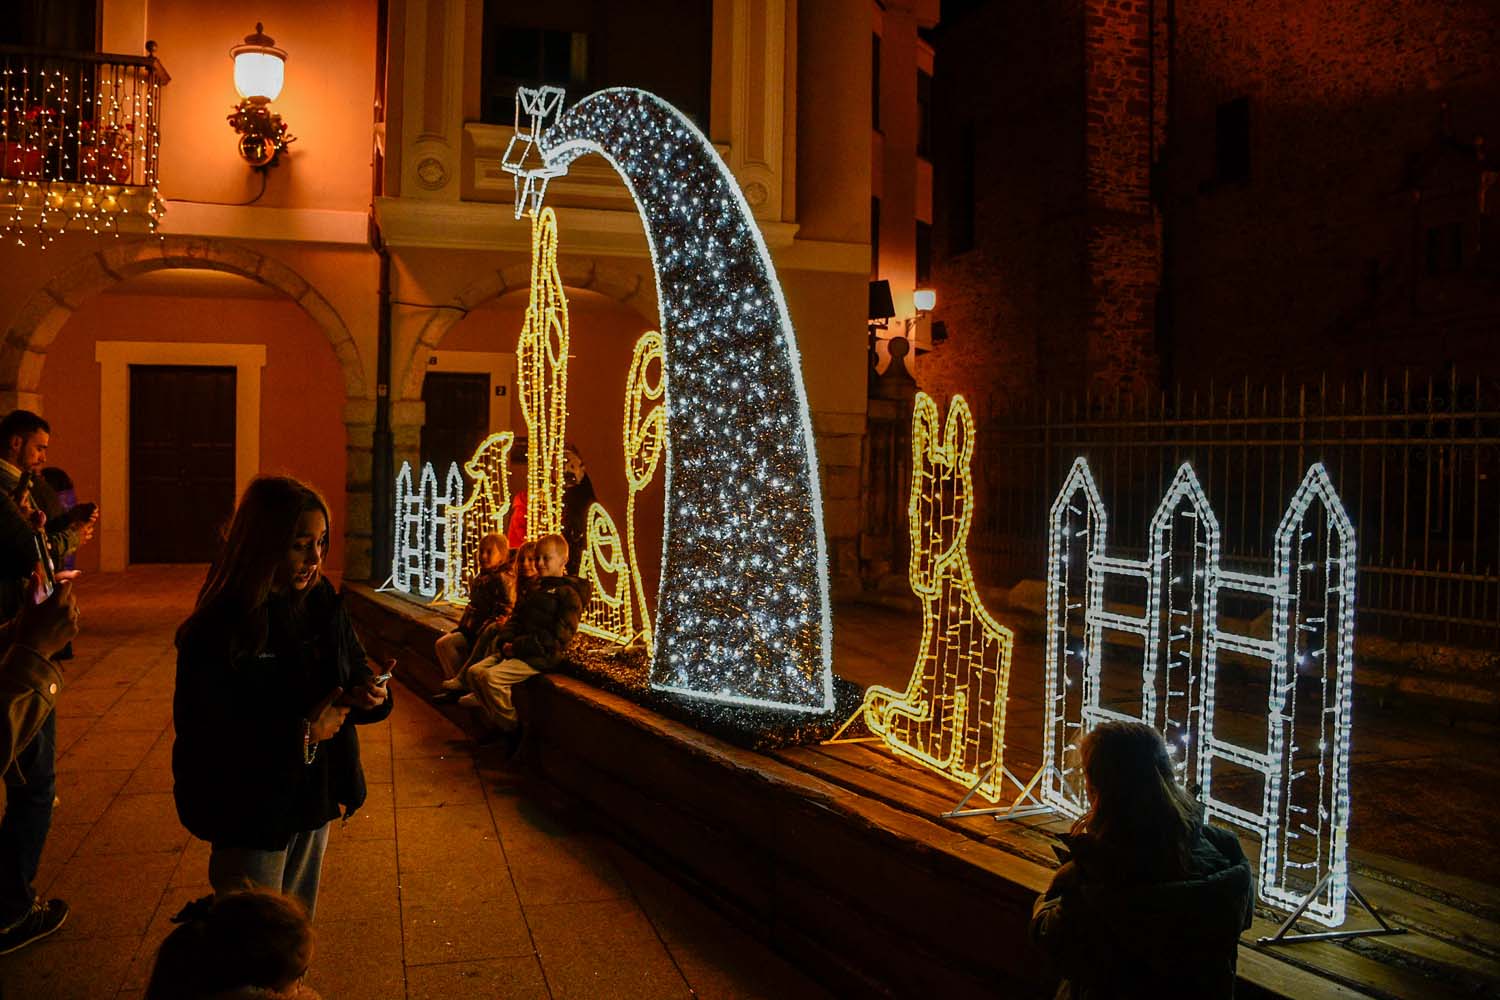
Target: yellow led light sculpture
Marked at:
608, 613
951, 717
423, 556
542, 380
482, 513
645, 435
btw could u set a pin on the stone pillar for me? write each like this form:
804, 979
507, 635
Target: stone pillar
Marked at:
359, 422
840, 437
1124, 250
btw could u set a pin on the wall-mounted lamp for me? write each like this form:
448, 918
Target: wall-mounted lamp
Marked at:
924, 299
259, 72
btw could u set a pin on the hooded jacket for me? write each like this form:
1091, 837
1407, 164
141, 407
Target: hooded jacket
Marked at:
542, 624
237, 762
1109, 936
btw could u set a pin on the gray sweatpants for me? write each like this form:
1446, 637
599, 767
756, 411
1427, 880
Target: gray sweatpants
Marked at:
294, 871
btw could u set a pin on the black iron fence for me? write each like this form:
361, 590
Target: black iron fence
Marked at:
1416, 461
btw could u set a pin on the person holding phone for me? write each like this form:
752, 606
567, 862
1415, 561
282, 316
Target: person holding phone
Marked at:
271, 684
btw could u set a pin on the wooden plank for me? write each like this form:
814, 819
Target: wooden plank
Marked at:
1270, 974
1361, 970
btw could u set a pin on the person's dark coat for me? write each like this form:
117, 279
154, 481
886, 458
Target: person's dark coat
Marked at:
18, 552
1109, 935
491, 598
542, 624
577, 499
237, 763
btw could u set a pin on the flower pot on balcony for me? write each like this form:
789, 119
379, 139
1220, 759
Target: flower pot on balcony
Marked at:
19, 161
104, 165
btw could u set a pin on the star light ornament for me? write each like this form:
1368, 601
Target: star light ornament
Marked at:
424, 554
743, 614
951, 716
1162, 669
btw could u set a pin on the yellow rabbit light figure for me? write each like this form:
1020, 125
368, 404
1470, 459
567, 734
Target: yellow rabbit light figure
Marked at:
482, 513
951, 717
542, 373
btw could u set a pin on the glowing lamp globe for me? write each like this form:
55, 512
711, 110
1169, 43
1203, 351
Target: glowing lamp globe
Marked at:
259, 67
924, 299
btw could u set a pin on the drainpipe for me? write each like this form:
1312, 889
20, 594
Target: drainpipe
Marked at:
382, 458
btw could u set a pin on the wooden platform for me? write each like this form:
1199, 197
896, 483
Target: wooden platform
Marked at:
836, 855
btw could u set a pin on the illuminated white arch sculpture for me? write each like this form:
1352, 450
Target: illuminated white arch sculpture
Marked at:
743, 612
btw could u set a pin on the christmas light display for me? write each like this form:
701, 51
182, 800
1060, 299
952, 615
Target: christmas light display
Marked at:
608, 614
484, 512
644, 436
951, 717
1303, 766
743, 609
542, 380
78, 145
423, 559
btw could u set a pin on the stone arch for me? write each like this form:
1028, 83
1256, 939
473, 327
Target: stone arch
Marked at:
621, 284
43, 315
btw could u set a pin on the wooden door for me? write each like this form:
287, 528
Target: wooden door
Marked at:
181, 461
458, 417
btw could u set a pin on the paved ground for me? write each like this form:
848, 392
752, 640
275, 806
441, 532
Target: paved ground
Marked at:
455, 881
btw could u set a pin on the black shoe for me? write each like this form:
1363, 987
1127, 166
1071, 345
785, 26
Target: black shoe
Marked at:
43, 919
446, 697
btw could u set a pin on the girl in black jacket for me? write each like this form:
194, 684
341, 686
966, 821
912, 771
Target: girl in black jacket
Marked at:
271, 681
1152, 901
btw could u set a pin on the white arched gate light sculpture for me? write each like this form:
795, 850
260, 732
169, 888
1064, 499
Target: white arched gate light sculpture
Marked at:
1173, 683
743, 614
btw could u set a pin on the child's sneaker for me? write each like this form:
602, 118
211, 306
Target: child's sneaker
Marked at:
41, 920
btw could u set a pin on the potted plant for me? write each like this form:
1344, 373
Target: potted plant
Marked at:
23, 142
104, 152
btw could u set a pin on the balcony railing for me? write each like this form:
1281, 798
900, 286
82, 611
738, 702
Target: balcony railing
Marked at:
79, 135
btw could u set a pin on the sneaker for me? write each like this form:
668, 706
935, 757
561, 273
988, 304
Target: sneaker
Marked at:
468, 701
43, 919
446, 698
453, 684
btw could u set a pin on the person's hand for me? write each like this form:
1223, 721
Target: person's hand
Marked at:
508, 649
369, 694
87, 529
328, 717
49, 626
37, 519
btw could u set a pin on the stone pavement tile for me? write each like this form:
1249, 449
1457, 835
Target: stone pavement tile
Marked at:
84, 795
66, 969
358, 959
419, 730
450, 838
161, 925
359, 880
71, 729
87, 701
375, 752
154, 714
436, 781
62, 841
529, 814
568, 870
461, 928
511, 978
155, 771
108, 751
112, 895
603, 949
135, 823
719, 961
375, 820
192, 868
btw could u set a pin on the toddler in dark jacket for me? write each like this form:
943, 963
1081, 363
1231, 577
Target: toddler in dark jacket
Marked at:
531, 641
492, 594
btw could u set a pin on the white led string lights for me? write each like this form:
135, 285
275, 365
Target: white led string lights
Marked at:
644, 436
542, 380
951, 716
422, 555
1303, 819
743, 612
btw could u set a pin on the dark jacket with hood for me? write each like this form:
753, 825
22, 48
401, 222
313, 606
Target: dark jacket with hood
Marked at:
542, 624
1111, 935
237, 763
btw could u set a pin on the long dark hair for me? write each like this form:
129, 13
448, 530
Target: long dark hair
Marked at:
240, 581
1139, 817
255, 937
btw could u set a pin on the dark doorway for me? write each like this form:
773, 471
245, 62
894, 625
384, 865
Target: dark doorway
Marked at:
181, 461
458, 418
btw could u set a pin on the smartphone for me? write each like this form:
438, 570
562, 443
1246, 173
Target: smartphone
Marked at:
381, 678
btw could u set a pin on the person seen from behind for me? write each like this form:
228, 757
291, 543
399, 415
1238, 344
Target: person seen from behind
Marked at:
492, 594
271, 683
245, 944
531, 642
1152, 901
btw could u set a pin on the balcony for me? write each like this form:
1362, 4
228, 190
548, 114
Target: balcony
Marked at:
79, 134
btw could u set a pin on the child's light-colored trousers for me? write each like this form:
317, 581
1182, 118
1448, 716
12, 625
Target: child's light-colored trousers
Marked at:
491, 680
